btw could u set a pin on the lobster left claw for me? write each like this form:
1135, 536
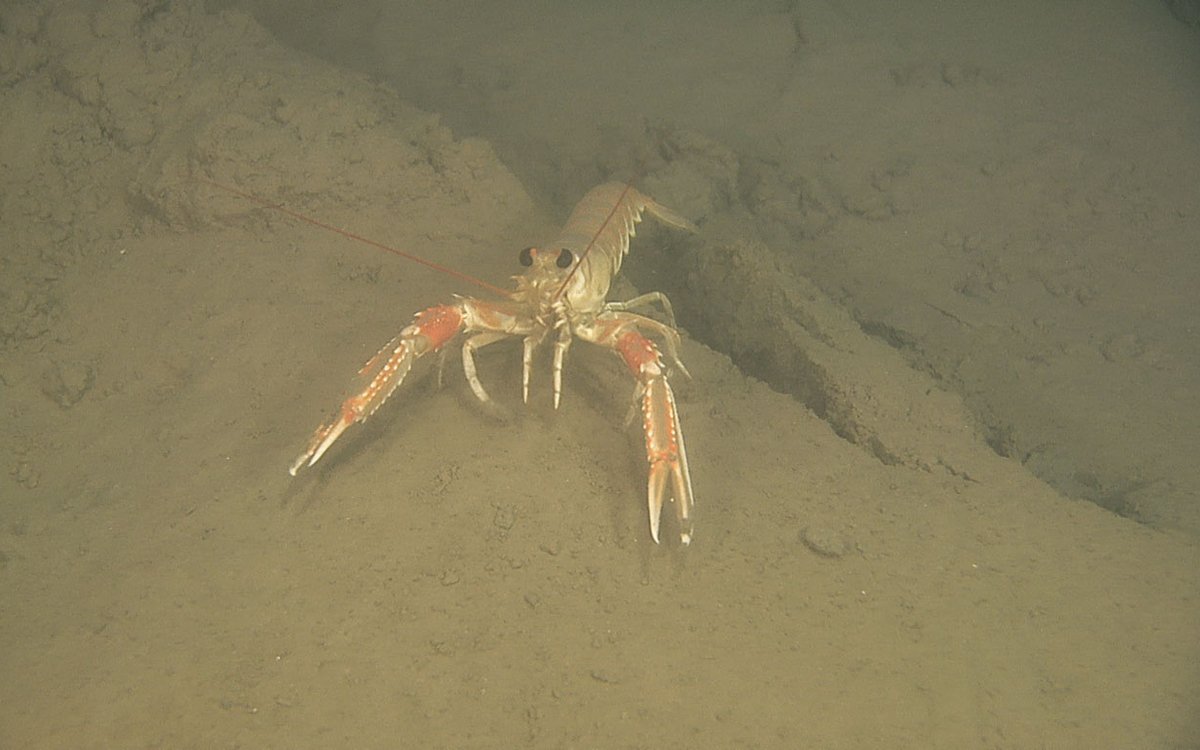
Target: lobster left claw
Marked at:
668, 477
667, 457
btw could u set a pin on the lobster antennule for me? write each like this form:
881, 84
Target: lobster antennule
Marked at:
351, 235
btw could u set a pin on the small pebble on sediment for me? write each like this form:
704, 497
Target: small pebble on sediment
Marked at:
824, 541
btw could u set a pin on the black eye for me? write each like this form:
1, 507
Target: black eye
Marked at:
565, 257
526, 256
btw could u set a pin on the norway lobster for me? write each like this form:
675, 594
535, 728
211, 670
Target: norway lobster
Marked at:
560, 296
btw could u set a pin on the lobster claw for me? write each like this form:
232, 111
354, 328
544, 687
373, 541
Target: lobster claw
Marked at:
383, 373
668, 477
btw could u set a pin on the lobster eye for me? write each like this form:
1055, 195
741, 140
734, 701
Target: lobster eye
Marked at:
565, 257
526, 256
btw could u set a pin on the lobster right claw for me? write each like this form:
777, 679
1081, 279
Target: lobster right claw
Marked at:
384, 373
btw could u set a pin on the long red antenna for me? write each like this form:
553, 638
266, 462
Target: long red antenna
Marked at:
592, 242
356, 237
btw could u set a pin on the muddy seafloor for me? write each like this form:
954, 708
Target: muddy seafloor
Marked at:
1003, 193
868, 571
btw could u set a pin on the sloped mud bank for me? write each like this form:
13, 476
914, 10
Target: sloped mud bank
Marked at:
445, 580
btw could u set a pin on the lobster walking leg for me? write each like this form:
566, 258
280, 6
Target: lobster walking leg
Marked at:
472, 344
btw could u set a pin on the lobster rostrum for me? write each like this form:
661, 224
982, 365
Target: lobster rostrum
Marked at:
561, 297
